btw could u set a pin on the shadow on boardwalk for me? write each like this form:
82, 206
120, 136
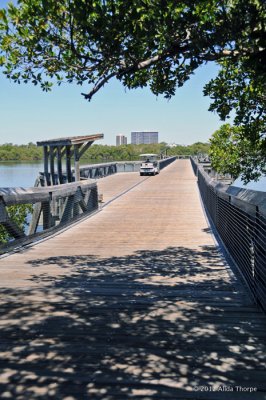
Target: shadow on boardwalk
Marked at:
152, 325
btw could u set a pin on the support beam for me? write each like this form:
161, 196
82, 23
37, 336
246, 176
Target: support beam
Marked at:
68, 164
76, 158
59, 165
84, 148
35, 218
46, 165
46, 212
71, 151
52, 173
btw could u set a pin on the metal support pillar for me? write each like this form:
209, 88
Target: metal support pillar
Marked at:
46, 165
59, 164
53, 180
76, 158
68, 164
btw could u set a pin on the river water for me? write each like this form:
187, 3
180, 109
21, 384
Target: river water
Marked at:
24, 174
260, 185
19, 174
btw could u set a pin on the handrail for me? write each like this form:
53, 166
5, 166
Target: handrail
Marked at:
166, 161
20, 195
51, 208
95, 171
241, 225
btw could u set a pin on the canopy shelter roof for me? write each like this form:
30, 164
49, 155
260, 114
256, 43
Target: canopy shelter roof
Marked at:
64, 147
71, 140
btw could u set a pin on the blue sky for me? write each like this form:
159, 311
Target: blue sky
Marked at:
29, 115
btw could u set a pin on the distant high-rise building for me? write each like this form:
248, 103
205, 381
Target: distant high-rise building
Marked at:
144, 137
121, 139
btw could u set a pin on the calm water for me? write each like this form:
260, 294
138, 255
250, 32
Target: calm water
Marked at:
260, 185
22, 174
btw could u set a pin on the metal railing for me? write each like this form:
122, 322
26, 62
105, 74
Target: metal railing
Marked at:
242, 227
166, 161
26, 214
96, 171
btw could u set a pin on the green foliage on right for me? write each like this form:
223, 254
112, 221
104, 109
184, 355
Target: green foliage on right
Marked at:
232, 152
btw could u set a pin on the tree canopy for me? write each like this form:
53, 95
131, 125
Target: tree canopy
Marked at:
143, 43
231, 152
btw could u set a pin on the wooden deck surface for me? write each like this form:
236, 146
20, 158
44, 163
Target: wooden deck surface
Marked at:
136, 302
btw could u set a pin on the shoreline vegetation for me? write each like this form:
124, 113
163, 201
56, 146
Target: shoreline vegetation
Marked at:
99, 152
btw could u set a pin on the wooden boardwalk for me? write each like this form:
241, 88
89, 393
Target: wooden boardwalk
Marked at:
136, 302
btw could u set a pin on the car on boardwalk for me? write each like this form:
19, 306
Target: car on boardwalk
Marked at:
149, 164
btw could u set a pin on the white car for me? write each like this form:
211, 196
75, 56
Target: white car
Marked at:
149, 164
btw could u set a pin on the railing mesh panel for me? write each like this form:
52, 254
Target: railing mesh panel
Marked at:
242, 228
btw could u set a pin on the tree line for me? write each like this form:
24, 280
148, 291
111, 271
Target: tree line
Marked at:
99, 152
23, 152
